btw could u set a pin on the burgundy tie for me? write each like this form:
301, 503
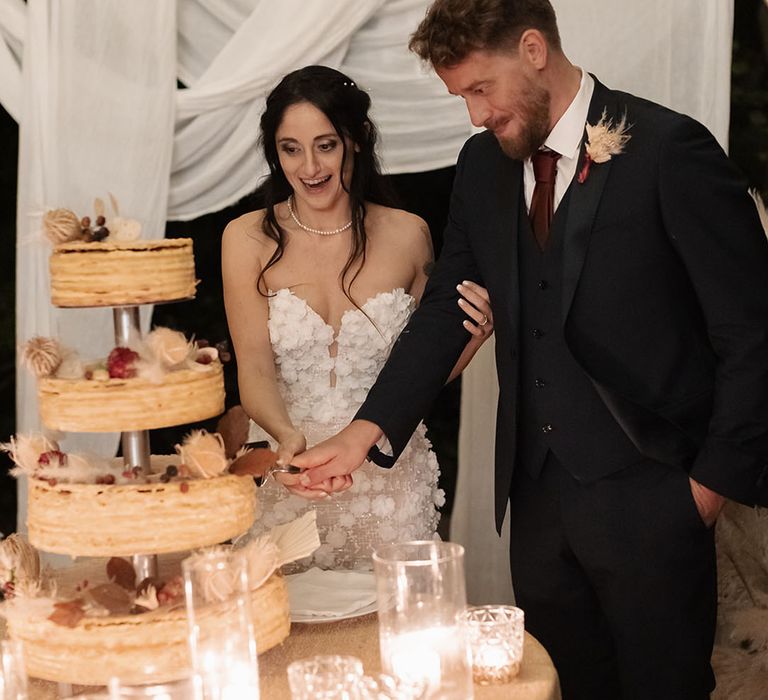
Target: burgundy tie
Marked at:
543, 202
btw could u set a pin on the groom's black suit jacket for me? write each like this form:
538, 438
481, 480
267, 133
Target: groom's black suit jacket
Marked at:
664, 300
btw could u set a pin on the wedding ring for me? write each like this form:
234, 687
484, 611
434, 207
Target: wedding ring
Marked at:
484, 321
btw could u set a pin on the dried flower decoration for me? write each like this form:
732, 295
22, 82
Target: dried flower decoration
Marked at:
263, 557
19, 567
604, 140
122, 229
42, 356
203, 453
119, 227
39, 457
61, 225
26, 450
169, 347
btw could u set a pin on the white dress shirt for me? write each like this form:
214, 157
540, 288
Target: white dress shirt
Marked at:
565, 138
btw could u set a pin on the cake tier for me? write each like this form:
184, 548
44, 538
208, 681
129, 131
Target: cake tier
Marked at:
148, 648
122, 273
121, 405
96, 520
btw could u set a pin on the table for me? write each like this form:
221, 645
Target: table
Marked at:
359, 637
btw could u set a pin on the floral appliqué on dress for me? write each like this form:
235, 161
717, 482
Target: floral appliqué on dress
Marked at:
322, 394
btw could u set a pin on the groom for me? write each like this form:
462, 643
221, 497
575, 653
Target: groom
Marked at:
628, 275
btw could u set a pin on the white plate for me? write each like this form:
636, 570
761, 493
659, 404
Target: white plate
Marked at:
327, 596
314, 619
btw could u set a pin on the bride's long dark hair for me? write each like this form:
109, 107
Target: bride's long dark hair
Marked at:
346, 106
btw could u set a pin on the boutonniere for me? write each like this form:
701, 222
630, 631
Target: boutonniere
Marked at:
604, 140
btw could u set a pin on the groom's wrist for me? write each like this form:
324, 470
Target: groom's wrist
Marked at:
365, 433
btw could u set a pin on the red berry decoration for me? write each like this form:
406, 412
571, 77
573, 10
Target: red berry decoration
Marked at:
46, 458
121, 363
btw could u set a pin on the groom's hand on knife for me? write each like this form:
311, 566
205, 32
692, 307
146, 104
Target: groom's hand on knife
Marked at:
334, 460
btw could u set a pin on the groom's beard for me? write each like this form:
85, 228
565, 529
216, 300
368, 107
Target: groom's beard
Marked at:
534, 108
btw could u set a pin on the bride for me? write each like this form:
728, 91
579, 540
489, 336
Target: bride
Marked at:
317, 287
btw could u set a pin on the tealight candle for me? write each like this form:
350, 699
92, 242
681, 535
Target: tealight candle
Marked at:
496, 634
418, 657
421, 596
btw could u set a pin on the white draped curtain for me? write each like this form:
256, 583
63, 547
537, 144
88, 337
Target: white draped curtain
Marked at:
92, 84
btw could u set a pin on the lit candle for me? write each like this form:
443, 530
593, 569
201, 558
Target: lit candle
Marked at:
496, 642
224, 680
424, 657
493, 663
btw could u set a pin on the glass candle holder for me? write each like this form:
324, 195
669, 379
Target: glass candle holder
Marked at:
13, 676
331, 677
177, 690
222, 641
496, 634
421, 596
384, 687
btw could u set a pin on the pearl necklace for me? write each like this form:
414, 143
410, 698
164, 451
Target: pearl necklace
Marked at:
317, 231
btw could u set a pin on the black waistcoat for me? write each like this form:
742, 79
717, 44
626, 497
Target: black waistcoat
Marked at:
559, 409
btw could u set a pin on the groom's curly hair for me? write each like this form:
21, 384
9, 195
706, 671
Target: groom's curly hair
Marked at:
452, 29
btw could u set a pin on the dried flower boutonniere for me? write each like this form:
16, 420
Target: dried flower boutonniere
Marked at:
604, 140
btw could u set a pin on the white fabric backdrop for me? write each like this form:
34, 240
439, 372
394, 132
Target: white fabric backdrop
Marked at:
676, 53
115, 91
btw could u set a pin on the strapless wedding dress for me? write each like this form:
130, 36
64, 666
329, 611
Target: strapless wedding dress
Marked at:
322, 393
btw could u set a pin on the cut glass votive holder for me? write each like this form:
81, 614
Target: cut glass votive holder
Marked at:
326, 677
496, 634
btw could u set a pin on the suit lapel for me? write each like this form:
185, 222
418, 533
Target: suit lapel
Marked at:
585, 198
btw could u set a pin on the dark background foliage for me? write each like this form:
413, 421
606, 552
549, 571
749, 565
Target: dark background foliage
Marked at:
203, 317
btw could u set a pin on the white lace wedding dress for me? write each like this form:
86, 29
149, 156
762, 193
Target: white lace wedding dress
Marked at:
322, 393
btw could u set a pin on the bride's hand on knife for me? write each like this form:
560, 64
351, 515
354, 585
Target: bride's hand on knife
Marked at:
334, 460
294, 444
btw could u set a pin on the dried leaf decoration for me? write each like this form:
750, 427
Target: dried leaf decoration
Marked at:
121, 572
115, 205
256, 462
112, 597
233, 427
68, 613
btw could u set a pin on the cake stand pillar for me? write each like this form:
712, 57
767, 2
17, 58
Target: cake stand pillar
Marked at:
135, 443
